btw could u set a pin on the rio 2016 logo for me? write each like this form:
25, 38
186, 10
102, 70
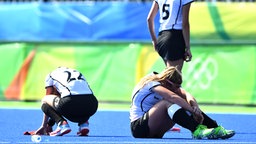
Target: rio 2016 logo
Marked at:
201, 72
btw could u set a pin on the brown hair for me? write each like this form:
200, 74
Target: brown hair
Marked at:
171, 73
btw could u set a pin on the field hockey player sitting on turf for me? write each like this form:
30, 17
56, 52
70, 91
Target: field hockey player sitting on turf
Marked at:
159, 102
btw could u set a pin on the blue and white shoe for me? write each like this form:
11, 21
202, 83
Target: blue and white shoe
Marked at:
61, 129
83, 129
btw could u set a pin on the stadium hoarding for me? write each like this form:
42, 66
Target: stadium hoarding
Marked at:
217, 73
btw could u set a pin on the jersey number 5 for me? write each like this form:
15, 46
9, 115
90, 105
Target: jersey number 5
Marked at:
166, 12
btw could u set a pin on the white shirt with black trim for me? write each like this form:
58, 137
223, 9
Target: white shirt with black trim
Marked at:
68, 82
143, 100
171, 13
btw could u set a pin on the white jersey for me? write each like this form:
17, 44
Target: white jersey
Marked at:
68, 82
171, 13
143, 100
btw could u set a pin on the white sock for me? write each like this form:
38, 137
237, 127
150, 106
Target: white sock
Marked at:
172, 109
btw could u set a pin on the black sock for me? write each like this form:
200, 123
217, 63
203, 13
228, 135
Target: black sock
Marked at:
49, 111
210, 123
182, 118
51, 122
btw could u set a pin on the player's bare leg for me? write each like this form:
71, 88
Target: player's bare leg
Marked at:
178, 63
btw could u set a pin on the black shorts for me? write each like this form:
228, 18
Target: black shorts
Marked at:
77, 108
139, 127
171, 45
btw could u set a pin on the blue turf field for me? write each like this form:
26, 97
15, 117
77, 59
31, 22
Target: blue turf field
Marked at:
113, 127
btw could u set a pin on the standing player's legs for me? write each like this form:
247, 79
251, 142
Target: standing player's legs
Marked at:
171, 47
178, 63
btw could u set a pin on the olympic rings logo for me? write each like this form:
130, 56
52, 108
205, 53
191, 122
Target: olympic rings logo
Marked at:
201, 73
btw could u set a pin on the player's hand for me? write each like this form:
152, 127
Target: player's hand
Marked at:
196, 110
199, 118
154, 45
41, 131
197, 114
188, 55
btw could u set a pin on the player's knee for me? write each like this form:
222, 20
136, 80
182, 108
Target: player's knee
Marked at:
44, 100
45, 108
173, 109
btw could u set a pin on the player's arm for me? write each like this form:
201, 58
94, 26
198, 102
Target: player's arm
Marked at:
186, 31
51, 90
190, 99
172, 97
150, 22
193, 103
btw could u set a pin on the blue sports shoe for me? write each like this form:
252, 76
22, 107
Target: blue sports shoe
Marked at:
83, 129
61, 129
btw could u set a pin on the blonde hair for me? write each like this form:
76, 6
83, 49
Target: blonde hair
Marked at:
171, 73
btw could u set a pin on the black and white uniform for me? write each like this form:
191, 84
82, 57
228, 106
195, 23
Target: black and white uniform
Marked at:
142, 101
77, 101
170, 43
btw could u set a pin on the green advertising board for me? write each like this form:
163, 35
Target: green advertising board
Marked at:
216, 74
